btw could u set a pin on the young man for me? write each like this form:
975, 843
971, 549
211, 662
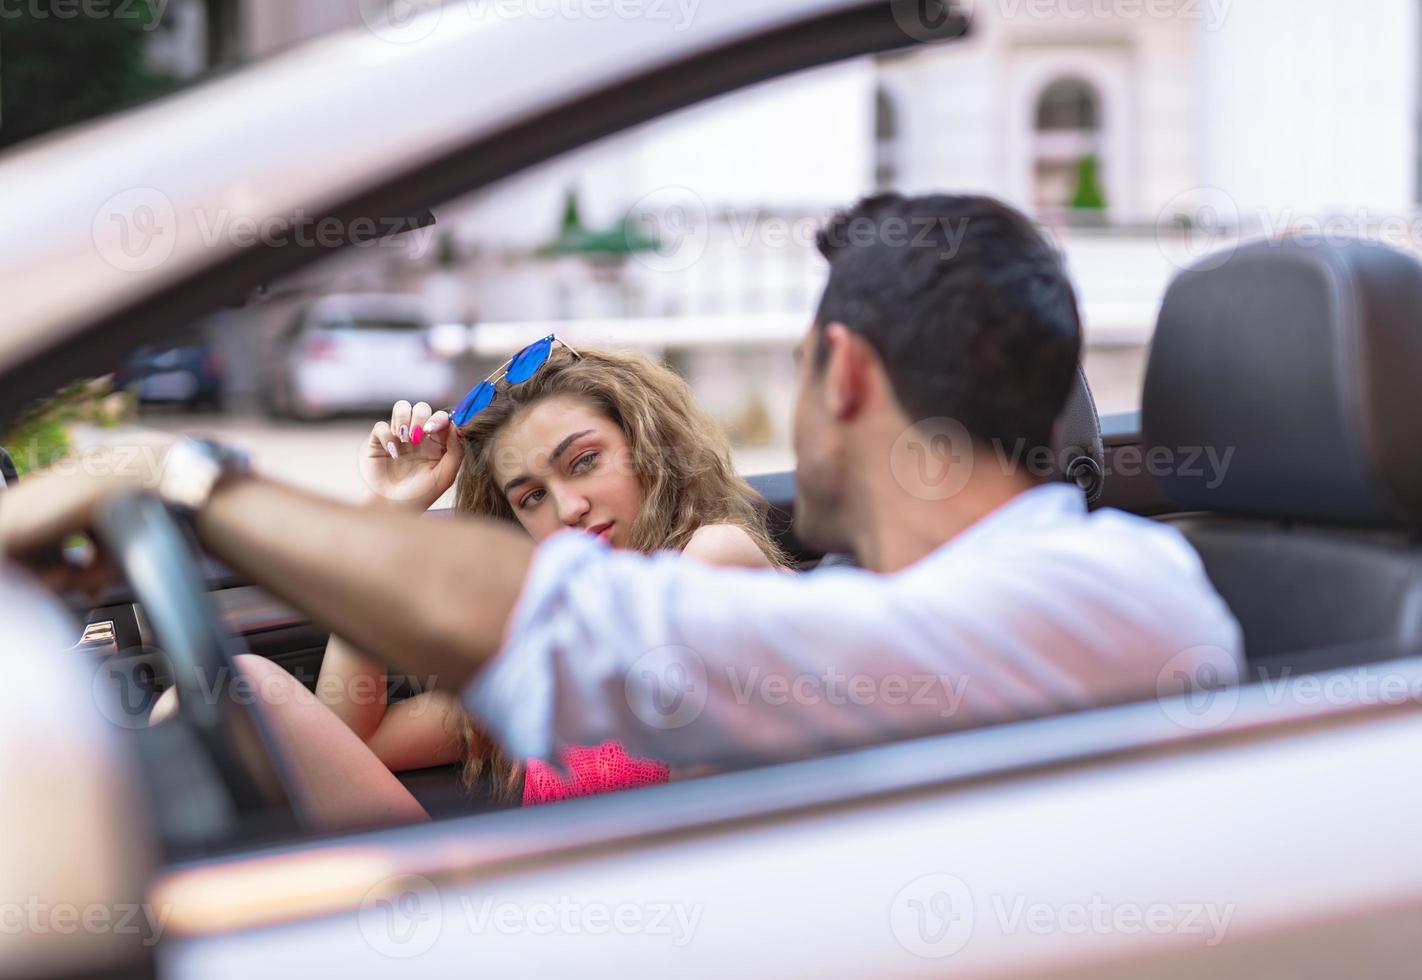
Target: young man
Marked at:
943, 349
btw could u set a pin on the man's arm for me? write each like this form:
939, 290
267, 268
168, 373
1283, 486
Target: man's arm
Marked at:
426, 597
692, 665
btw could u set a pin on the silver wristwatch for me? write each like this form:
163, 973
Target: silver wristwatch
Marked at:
193, 470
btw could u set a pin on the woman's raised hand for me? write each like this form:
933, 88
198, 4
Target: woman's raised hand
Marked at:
413, 458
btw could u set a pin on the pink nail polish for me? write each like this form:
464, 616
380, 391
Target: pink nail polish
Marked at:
418, 435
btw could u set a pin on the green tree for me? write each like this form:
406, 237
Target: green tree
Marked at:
1088, 196
58, 71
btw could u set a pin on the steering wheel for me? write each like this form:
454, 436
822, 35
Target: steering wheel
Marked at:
156, 557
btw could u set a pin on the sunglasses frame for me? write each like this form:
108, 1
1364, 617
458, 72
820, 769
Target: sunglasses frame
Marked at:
502, 373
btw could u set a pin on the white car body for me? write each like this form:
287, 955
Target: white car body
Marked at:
353, 352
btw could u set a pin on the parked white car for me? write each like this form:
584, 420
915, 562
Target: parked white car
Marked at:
357, 352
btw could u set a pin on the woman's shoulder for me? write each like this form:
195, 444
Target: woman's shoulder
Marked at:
725, 544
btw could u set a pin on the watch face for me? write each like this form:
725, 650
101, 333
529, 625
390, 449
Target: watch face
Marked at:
193, 468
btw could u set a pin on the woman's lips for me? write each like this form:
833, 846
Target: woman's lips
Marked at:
603, 531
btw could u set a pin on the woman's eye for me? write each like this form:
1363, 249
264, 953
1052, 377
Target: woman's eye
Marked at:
531, 498
585, 462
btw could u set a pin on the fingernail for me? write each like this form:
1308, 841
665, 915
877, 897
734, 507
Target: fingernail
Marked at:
390, 448
404, 432
418, 436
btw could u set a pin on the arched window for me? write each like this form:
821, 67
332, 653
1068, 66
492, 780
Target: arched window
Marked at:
886, 141
1067, 163
1069, 104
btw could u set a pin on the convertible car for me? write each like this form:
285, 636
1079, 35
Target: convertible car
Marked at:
1268, 829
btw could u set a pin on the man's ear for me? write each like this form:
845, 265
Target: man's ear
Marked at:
846, 372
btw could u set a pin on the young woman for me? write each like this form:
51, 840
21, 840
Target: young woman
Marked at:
599, 442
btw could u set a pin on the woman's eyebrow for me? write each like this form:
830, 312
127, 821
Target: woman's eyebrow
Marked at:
562, 447
553, 457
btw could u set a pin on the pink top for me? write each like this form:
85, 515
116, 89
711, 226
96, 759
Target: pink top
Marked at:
591, 770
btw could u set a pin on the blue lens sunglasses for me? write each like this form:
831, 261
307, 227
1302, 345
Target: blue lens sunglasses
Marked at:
515, 370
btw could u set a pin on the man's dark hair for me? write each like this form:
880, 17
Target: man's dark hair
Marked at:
967, 305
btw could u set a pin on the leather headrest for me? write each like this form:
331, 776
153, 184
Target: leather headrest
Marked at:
1078, 440
1299, 365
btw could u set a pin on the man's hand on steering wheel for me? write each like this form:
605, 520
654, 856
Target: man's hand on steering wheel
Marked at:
41, 514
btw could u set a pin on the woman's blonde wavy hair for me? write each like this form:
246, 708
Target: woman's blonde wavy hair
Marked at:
680, 455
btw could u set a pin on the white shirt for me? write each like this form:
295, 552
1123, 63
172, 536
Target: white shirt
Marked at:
1039, 607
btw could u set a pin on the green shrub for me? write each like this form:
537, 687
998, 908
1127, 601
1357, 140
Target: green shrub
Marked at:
42, 436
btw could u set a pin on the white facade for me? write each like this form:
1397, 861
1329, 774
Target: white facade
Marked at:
1207, 119
1304, 104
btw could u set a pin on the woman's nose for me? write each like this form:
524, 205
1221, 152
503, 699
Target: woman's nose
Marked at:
572, 508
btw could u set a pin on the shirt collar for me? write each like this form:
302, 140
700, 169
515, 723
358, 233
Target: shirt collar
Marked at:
1046, 506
